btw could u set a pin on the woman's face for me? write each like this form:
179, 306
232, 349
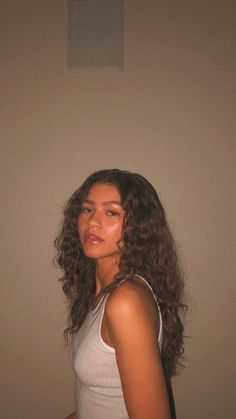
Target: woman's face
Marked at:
100, 222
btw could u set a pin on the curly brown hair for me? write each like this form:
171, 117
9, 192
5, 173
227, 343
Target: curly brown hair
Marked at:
149, 250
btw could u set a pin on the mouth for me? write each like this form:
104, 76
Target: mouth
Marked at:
93, 239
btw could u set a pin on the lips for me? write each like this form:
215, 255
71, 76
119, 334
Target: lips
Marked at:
93, 238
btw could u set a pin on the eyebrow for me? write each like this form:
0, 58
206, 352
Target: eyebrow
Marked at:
89, 201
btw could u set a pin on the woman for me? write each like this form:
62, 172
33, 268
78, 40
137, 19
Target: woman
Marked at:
124, 287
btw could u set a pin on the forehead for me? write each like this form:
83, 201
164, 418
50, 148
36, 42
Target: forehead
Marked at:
104, 192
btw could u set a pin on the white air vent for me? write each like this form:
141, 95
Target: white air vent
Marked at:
95, 34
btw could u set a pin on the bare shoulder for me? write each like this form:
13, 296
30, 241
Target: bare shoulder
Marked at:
132, 318
133, 299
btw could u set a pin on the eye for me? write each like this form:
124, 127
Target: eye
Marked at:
113, 213
85, 210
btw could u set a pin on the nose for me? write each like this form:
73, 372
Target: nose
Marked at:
95, 219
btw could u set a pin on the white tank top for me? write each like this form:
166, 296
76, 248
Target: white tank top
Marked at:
98, 390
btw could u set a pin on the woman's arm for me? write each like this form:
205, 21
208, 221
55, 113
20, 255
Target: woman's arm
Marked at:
132, 326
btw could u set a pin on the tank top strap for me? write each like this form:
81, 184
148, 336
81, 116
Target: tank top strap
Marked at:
149, 286
101, 303
105, 296
101, 307
160, 336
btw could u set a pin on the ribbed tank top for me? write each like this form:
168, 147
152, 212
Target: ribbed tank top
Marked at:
98, 390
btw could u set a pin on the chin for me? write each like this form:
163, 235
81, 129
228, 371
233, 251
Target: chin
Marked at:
91, 254
95, 254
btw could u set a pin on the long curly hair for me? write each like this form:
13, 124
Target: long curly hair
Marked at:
149, 250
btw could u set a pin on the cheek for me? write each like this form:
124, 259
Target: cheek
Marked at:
115, 230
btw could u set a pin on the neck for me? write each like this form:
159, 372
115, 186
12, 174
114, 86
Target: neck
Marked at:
106, 269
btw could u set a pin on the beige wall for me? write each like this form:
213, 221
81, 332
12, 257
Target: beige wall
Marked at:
169, 116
